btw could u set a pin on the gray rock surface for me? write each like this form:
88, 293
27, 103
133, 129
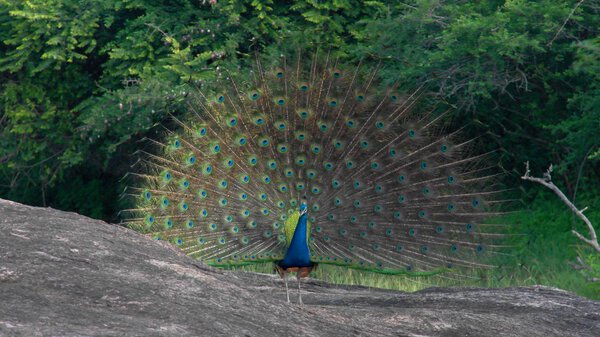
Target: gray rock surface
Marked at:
62, 274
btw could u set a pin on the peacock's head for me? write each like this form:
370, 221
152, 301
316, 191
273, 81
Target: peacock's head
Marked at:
303, 207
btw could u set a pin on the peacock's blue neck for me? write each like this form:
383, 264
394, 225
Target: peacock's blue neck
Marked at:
297, 254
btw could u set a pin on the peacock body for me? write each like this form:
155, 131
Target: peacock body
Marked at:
309, 162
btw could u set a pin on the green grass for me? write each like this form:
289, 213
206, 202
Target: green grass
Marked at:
542, 247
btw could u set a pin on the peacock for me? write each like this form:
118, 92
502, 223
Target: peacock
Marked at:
306, 161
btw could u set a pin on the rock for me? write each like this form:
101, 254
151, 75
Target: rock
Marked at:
62, 274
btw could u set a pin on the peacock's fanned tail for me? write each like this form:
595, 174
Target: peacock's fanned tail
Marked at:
389, 189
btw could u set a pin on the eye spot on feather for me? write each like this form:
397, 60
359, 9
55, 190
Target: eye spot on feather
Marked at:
303, 114
254, 95
316, 149
232, 121
336, 183
426, 191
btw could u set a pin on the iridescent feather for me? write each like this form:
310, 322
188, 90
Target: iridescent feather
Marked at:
388, 188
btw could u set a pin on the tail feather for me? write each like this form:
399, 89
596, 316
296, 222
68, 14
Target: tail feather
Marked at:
389, 188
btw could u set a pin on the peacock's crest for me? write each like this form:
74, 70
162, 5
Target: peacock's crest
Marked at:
388, 188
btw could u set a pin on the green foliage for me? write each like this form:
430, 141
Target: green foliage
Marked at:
510, 67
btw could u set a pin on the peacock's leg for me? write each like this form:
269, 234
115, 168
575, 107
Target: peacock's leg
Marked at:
287, 292
299, 296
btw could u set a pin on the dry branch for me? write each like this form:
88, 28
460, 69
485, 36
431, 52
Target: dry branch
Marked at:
547, 181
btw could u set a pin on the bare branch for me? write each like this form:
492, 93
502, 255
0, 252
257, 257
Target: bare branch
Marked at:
564, 23
547, 181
